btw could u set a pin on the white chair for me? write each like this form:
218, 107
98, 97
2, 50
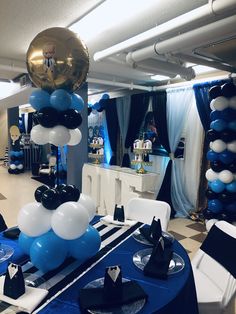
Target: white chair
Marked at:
48, 169
144, 210
215, 286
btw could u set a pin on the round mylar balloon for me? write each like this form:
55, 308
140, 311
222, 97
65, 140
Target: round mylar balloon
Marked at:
33, 219
70, 220
89, 204
57, 59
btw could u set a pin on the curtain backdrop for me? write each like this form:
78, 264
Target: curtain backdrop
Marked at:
112, 127
123, 105
179, 102
138, 108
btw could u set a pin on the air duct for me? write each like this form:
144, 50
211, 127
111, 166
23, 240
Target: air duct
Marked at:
119, 84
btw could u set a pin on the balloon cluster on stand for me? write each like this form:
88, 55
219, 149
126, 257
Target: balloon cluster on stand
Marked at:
221, 192
16, 162
56, 226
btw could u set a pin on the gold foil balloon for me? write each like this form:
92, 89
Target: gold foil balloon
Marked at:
57, 58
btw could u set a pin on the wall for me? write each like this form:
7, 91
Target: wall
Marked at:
3, 132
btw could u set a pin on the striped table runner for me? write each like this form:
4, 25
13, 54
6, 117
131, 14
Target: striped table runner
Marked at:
71, 270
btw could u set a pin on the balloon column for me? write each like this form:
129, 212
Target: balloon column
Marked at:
16, 154
56, 226
221, 176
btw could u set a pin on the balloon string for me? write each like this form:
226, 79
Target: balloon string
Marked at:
57, 179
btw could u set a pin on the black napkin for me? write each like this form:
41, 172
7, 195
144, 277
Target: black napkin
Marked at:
158, 264
113, 293
119, 213
12, 233
154, 232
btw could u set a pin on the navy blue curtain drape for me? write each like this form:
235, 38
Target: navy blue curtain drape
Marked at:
112, 127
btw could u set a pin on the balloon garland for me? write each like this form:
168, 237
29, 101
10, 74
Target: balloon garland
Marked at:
56, 225
221, 192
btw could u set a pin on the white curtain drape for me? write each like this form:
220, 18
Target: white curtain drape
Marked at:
123, 105
182, 114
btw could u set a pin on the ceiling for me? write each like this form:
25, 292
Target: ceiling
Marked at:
158, 37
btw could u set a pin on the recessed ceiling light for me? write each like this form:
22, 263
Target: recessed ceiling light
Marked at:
160, 77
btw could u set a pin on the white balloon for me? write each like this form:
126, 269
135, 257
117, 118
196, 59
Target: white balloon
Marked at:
12, 166
59, 135
232, 146
232, 102
226, 176
218, 146
210, 145
39, 134
20, 166
221, 103
211, 175
34, 219
88, 204
70, 220
75, 137
212, 104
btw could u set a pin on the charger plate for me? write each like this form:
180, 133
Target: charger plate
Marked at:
6, 252
130, 308
140, 238
141, 258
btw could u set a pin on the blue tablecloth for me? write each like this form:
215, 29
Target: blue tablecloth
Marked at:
176, 295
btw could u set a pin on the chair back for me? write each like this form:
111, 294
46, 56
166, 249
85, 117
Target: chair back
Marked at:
214, 270
144, 210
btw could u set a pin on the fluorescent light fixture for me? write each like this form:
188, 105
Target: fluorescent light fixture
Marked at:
106, 16
201, 69
160, 77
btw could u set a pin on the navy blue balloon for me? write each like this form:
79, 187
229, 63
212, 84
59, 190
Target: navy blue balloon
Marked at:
232, 166
218, 125
231, 207
211, 155
232, 125
228, 114
96, 106
105, 96
85, 246
227, 136
39, 99
215, 206
212, 135
215, 91
217, 186
60, 99
48, 117
215, 114
208, 214
226, 157
210, 194
228, 90
71, 119
48, 251
77, 102
217, 165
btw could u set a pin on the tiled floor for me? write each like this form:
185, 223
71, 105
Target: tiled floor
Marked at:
18, 190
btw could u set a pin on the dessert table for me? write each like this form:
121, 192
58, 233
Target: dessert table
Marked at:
176, 294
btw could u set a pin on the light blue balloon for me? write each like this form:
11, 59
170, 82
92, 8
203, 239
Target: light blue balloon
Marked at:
39, 99
217, 186
77, 102
85, 246
48, 251
25, 242
60, 99
231, 187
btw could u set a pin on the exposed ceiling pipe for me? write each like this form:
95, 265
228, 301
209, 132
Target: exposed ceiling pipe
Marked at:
171, 27
168, 67
198, 37
119, 84
209, 63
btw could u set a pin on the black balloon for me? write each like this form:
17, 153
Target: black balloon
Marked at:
69, 193
226, 197
228, 90
227, 136
215, 92
210, 194
232, 167
212, 135
71, 119
217, 165
50, 199
60, 186
39, 191
208, 214
48, 117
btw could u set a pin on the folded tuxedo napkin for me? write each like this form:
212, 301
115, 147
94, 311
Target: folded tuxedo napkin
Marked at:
158, 264
154, 232
110, 220
119, 213
28, 301
93, 298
